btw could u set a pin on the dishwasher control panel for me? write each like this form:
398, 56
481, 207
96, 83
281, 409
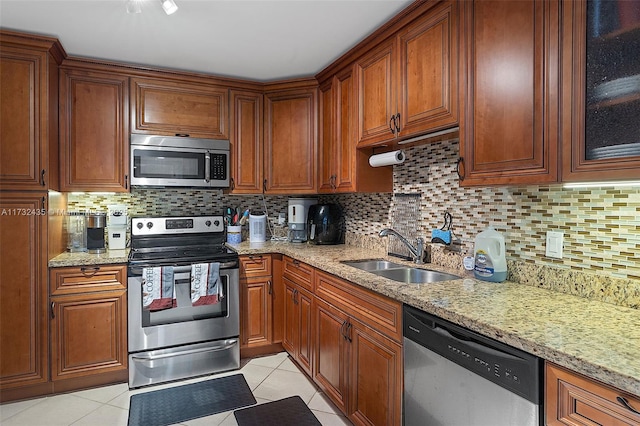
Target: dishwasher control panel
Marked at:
511, 368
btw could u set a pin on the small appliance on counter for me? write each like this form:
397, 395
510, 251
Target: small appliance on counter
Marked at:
117, 229
298, 208
257, 228
325, 224
76, 232
96, 222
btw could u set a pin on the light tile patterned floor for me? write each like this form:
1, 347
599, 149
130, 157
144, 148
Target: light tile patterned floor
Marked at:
270, 378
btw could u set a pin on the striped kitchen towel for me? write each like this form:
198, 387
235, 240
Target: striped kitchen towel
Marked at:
158, 290
206, 285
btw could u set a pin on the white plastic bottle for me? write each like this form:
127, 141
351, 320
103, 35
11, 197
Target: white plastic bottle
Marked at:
490, 261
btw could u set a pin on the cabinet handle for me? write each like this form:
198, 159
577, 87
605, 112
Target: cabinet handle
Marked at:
232, 183
460, 175
255, 256
42, 177
264, 186
126, 181
53, 312
89, 271
396, 121
622, 400
349, 332
392, 125
296, 262
182, 135
270, 284
295, 294
332, 182
44, 203
342, 327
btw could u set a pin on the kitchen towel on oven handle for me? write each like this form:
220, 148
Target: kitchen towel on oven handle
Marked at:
158, 290
206, 286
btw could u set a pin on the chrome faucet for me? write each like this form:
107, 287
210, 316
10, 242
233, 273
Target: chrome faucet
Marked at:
415, 251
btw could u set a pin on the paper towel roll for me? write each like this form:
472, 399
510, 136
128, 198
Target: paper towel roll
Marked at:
387, 159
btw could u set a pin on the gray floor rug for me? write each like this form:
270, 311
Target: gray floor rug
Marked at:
187, 402
290, 411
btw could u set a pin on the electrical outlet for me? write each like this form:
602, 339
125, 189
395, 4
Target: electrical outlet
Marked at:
554, 246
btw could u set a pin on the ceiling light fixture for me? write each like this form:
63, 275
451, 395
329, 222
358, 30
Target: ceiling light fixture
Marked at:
133, 6
169, 6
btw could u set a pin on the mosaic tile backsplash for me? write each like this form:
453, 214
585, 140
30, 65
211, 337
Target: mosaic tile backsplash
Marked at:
601, 226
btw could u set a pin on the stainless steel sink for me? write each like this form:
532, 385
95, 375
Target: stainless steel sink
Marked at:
415, 275
374, 264
399, 272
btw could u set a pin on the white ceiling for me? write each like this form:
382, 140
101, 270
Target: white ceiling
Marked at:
261, 40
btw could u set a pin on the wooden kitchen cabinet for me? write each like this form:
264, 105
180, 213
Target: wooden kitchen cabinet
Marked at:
88, 326
408, 84
298, 330
601, 91
290, 142
179, 108
358, 367
572, 399
509, 127
94, 131
343, 168
24, 333
258, 309
246, 142
28, 106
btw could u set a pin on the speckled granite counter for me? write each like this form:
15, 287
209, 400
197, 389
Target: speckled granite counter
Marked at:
597, 339
80, 259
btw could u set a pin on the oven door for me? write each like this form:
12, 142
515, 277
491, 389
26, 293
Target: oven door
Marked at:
183, 324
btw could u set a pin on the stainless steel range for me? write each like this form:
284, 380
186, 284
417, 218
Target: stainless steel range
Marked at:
183, 300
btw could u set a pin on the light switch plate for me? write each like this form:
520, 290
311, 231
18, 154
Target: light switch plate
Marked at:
555, 242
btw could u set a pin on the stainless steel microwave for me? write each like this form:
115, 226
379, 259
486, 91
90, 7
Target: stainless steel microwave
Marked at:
161, 161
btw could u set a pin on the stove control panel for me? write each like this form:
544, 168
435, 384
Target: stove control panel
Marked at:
176, 225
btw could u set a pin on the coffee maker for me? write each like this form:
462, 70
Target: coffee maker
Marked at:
117, 229
298, 208
325, 224
96, 222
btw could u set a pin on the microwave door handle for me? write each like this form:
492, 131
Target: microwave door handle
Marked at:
207, 167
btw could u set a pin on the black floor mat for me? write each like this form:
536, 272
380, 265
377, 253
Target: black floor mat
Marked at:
290, 411
187, 402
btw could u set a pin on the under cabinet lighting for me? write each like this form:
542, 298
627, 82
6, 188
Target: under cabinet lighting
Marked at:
634, 183
169, 6
429, 135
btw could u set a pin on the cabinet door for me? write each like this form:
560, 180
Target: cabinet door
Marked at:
23, 286
305, 333
94, 131
509, 126
88, 334
376, 95
256, 311
428, 79
28, 128
173, 108
290, 142
246, 142
289, 338
331, 352
376, 377
327, 160
601, 91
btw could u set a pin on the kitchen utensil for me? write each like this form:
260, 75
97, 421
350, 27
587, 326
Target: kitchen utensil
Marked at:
443, 235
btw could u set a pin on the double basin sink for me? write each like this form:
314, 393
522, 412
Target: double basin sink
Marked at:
399, 272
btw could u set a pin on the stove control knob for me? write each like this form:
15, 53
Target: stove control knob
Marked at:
139, 225
149, 225
216, 222
208, 223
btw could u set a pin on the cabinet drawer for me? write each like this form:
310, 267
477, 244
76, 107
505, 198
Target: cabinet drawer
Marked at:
298, 272
83, 279
376, 311
255, 266
572, 399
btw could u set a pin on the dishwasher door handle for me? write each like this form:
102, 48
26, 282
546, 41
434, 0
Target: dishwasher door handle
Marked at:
475, 345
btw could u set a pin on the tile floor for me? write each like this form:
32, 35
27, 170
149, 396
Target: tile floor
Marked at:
270, 378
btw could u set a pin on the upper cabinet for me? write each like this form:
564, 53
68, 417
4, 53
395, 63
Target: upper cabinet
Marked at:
408, 84
602, 133
94, 131
29, 110
177, 108
509, 126
246, 142
343, 168
290, 141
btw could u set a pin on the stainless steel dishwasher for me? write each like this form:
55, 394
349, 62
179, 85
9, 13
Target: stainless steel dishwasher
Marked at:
456, 377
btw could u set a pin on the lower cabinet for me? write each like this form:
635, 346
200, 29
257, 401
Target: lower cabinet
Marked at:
572, 399
298, 331
88, 321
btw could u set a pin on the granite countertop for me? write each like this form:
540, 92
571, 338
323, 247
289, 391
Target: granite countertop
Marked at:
81, 259
597, 339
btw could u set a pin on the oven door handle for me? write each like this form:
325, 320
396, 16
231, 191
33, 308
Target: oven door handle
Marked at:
228, 344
